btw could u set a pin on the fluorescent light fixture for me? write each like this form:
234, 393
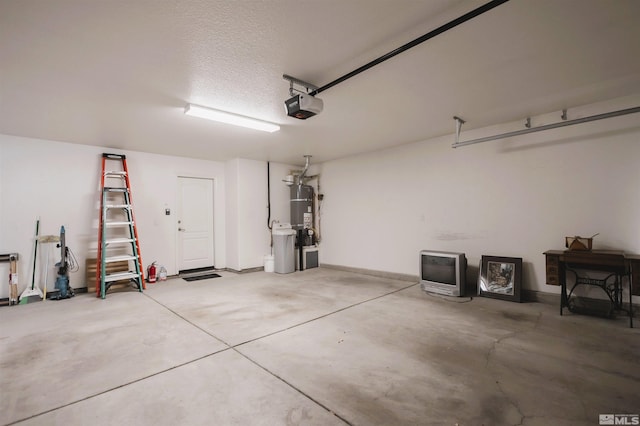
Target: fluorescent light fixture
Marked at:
230, 118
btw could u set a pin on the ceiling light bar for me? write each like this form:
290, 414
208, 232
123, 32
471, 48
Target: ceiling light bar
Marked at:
230, 118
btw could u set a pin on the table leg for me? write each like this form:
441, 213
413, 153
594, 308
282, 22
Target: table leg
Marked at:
630, 303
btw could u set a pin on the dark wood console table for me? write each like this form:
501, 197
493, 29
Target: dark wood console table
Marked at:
617, 263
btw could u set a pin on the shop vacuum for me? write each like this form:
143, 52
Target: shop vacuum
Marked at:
64, 290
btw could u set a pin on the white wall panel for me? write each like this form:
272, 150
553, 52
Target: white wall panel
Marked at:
59, 182
514, 197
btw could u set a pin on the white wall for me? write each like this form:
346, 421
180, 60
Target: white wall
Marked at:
280, 195
248, 235
515, 197
60, 183
232, 170
247, 212
2, 203
253, 233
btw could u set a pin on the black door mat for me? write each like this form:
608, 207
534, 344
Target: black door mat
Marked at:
197, 270
201, 277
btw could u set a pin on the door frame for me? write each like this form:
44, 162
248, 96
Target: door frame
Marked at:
175, 224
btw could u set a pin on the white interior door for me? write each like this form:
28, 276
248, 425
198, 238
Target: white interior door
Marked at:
195, 223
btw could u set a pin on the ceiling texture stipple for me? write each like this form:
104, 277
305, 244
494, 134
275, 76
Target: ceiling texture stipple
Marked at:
119, 73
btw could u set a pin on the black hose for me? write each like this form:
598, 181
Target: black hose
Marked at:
268, 196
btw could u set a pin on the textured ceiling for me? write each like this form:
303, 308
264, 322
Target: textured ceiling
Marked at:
118, 73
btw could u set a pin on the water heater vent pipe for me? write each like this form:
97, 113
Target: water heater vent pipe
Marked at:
306, 167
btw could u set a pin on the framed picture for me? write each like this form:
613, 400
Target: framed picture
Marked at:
500, 278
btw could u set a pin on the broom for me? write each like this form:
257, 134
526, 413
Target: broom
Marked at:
27, 294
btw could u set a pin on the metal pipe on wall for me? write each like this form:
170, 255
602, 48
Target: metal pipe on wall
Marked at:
307, 160
459, 123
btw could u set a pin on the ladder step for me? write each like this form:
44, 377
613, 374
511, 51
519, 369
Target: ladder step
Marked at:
119, 258
119, 241
113, 156
120, 276
118, 206
115, 189
112, 224
116, 173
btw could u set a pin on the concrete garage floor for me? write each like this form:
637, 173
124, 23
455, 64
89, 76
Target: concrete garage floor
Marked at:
319, 347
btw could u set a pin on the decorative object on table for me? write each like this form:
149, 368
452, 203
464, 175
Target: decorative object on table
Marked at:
500, 278
579, 243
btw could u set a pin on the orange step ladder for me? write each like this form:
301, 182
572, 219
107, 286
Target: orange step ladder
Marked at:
117, 231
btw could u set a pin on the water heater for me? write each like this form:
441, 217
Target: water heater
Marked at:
301, 206
302, 220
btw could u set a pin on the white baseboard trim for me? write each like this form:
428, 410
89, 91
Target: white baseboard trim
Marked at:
244, 271
527, 295
373, 272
